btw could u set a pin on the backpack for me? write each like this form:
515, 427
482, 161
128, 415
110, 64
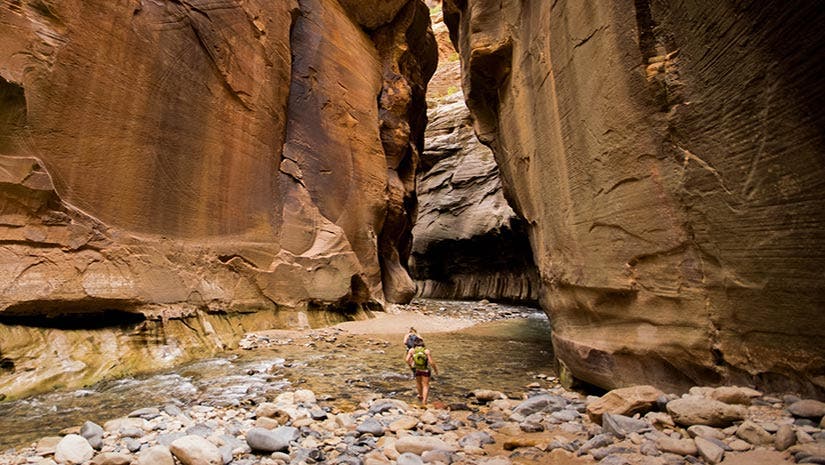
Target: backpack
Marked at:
412, 340
420, 358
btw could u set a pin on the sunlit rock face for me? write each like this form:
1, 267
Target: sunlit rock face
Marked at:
167, 159
164, 157
668, 157
467, 241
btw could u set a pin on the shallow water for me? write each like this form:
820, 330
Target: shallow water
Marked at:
503, 355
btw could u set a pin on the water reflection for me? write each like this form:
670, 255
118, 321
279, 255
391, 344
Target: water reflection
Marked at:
502, 355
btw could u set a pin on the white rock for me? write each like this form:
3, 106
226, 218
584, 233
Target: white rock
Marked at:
420, 444
73, 449
195, 450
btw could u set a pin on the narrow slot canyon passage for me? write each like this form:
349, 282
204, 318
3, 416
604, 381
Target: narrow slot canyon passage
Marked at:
221, 222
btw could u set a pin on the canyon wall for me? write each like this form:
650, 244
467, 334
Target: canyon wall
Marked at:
668, 158
467, 241
169, 158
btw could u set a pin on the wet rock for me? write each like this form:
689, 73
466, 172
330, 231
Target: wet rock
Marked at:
785, 437
112, 458
689, 411
808, 408
196, 450
371, 426
676, 446
420, 444
264, 440
93, 433
73, 449
624, 401
620, 425
709, 450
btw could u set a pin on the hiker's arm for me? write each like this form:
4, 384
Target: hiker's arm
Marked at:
406, 337
432, 363
408, 358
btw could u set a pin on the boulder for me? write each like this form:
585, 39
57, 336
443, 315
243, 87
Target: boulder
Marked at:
264, 440
196, 450
690, 411
93, 433
621, 426
785, 437
73, 449
734, 395
156, 455
808, 408
624, 401
371, 426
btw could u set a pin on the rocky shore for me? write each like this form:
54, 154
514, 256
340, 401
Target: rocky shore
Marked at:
546, 424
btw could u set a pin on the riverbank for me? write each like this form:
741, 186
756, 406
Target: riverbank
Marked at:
545, 424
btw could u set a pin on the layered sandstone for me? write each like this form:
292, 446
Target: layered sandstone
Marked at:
169, 158
467, 241
668, 158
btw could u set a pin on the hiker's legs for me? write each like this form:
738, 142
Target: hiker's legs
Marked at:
419, 386
425, 388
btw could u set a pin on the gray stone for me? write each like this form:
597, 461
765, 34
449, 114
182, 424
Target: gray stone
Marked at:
318, 414
264, 440
808, 408
753, 433
131, 432
621, 425
649, 448
157, 455
709, 451
566, 415
383, 405
614, 460
200, 430
93, 433
371, 426
544, 402
73, 449
132, 444
476, 439
174, 411
146, 413
785, 437
167, 439
689, 411
600, 440
196, 450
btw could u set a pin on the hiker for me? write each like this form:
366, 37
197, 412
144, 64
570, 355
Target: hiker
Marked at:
410, 338
420, 360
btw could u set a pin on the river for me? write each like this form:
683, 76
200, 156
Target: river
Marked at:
507, 350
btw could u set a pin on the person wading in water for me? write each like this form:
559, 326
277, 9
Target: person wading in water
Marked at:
420, 360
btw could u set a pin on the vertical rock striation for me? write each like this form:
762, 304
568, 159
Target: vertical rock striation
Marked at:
168, 158
467, 241
668, 159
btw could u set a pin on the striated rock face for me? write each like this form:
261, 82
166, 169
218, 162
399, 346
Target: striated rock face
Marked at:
668, 157
467, 241
166, 158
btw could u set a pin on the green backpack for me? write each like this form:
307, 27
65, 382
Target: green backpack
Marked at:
419, 358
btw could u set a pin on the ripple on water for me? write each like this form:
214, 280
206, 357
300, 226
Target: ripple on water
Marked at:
501, 355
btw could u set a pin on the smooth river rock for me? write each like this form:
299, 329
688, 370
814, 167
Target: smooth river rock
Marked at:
73, 449
196, 450
690, 411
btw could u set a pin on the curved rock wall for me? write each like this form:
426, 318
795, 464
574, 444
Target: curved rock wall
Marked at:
467, 241
170, 158
668, 157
